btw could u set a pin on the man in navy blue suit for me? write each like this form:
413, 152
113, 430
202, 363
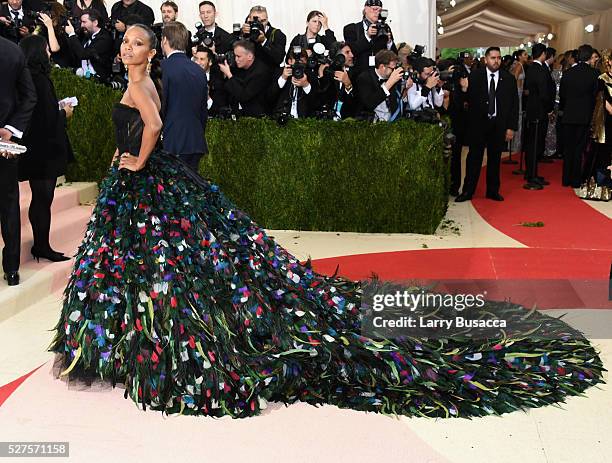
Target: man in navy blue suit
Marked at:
184, 108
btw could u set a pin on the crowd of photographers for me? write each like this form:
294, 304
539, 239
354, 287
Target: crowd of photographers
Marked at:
251, 70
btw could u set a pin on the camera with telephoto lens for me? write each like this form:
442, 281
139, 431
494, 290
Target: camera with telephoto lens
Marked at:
203, 37
229, 58
418, 52
382, 28
257, 28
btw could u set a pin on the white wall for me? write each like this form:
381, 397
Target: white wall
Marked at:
412, 21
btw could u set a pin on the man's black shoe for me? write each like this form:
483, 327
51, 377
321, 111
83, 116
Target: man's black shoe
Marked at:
12, 278
541, 181
532, 184
462, 198
495, 197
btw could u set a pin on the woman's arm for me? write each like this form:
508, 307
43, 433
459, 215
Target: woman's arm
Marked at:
54, 45
152, 127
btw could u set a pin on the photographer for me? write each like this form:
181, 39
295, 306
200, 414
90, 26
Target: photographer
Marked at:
82, 5
427, 90
121, 11
336, 82
169, 12
292, 91
380, 93
209, 33
96, 52
369, 36
315, 22
269, 42
217, 98
246, 86
18, 18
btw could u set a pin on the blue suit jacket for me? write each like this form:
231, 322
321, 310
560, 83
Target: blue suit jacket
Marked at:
185, 105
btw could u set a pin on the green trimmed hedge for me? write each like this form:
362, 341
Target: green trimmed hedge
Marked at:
308, 175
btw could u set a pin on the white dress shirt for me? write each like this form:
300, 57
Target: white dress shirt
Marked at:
496, 80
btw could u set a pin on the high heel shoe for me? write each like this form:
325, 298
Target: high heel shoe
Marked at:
50, 254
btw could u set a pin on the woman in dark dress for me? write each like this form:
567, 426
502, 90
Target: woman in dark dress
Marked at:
180, 295
315, 21
49, 149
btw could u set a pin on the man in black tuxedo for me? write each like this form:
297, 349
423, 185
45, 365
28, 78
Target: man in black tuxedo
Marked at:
95, 54
270, 44
295, 96
222, 40
185, 109
364, 40
540, 103
338, 91
380, 89
247, 85
17, 101
493, 119
217, 98
16, 19
576, 105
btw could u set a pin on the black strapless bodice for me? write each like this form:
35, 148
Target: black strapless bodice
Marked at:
128, 128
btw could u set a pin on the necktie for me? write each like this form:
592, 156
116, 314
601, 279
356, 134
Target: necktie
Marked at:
492, 96
16, 14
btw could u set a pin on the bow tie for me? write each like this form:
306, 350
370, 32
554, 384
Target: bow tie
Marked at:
15, 12
382, 81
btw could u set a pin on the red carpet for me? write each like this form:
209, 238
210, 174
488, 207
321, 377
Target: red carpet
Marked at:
8, 389
569, 223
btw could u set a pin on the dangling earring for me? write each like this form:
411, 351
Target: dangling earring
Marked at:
149, 67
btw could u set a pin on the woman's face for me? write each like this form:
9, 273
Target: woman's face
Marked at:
135, 48
314, 25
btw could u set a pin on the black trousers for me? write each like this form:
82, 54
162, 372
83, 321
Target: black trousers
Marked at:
574, 141
39, 213
192, 160
494, 141
535, 144
10, 219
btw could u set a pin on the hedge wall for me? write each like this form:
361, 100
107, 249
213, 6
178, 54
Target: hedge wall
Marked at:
308, 175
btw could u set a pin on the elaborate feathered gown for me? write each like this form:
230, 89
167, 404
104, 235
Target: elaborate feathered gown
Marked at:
181, 296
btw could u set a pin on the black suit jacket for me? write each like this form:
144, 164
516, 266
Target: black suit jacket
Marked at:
11, 33
272, 54
354, 35
506, 98
119, 12
99, 52
327, 39
248, 87
371, 94
17, 92
216, 90
185, 109
577, 95
332, 93
223, 40
306, 102
540, 98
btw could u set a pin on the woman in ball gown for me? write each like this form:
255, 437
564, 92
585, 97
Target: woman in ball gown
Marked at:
551, 135
182, 297
518, 70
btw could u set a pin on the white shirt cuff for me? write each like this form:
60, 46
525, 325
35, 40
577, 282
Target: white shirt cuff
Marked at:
307, 89
281, 82
387, 92
209, 103
14, 131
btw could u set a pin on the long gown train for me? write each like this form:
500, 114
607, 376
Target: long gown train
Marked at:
181, 296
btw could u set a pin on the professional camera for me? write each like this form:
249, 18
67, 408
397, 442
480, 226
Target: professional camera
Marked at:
418, 52
202, 36
452, 75
229, 58
382, 28
256, 28
325, 113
